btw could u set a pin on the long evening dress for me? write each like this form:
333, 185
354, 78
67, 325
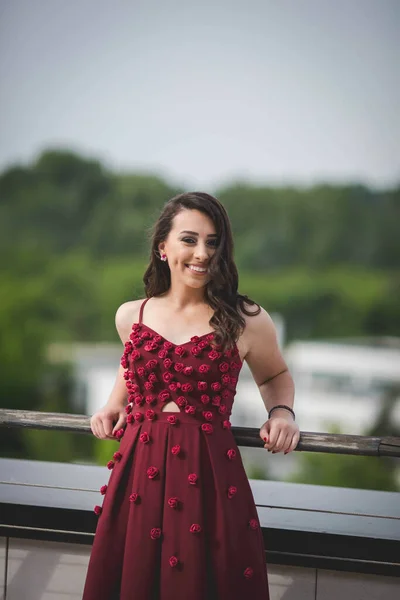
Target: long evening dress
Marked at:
178, 520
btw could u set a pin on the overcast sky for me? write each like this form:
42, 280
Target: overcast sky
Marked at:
205, 92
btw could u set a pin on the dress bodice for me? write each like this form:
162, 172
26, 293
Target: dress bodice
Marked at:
196, 375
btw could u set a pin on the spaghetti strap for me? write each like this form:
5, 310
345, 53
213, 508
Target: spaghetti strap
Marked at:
141, 310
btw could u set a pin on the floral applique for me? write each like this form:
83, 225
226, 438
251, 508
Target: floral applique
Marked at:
173, 502
207, 428
181, 401
152, 472
164, 395
248, 573
253, 524
213, 355
167, 363
173, 561
155, 533
187, 387
232, 491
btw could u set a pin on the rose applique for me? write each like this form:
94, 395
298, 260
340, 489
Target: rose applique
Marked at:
173, 502
152, 472
155, 533
176, 450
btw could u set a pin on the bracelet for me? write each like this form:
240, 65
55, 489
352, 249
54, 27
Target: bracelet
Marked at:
282, 406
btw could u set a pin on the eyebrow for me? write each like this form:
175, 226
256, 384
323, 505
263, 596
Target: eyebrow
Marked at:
194, 233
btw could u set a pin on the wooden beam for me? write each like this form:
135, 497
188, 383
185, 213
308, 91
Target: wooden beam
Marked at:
331, 443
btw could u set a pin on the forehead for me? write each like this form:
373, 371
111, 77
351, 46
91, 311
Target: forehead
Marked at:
193, 220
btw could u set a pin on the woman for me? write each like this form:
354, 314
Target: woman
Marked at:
178, 519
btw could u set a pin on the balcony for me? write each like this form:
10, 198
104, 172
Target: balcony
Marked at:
321, 542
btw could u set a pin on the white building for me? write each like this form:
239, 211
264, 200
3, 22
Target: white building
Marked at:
344, 382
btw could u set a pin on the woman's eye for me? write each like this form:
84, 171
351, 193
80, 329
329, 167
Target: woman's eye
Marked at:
212, 243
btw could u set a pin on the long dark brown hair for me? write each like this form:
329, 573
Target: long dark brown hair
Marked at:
222, 289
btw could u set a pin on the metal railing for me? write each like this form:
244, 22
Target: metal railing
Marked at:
331, 443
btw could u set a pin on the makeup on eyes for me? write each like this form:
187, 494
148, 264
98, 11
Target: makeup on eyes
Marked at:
212, 242
213, 237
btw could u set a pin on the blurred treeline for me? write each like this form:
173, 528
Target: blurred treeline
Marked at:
74, 245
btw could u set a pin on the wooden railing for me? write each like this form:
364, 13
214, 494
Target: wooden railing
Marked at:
332, 443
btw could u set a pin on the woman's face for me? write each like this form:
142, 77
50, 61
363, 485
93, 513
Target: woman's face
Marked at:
189, 247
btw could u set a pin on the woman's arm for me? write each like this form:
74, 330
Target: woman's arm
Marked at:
274, 381
109, 419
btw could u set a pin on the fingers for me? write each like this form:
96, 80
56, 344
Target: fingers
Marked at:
273, 436
282, 436
264, 434
102, 426
284, 439
120, 423
97, 426
294, 442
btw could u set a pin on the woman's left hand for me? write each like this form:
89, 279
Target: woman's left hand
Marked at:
280, 433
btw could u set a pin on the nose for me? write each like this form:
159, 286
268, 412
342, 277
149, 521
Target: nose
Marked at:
201, 252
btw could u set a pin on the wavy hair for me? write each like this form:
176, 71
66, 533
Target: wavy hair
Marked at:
221, 291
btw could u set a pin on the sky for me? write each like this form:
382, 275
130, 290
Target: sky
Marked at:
206, 93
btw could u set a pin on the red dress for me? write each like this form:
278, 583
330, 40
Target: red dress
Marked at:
178, 521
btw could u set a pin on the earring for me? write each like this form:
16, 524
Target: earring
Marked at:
163, 257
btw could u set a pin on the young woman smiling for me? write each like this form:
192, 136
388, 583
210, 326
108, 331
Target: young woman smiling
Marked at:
178, 519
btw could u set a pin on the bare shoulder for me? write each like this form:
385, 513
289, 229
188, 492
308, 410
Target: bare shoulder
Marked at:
260, 345
127, 314
258, 325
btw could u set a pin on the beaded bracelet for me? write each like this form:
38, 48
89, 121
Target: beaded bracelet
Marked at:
282, 406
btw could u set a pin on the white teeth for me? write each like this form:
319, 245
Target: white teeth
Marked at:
199, 269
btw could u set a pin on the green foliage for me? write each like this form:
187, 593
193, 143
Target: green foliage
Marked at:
255, 471
104, 450
337, 302
316, 227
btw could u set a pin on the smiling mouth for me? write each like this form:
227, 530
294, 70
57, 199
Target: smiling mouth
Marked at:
197, 270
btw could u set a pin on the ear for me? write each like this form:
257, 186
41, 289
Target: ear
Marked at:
161, 248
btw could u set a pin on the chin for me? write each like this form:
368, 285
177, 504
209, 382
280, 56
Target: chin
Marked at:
196, 286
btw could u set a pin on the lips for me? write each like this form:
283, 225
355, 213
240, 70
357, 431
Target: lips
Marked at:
197, 269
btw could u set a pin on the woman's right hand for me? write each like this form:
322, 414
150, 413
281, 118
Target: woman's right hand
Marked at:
102, 422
